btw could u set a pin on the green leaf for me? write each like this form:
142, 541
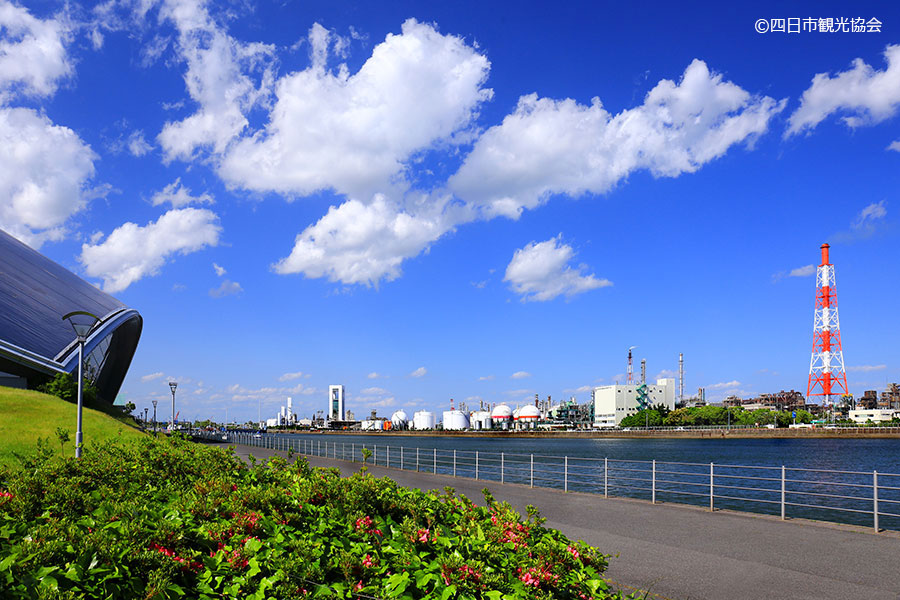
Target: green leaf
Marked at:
449, 592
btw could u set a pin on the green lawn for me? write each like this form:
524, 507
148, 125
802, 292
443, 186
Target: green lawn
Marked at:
26, 416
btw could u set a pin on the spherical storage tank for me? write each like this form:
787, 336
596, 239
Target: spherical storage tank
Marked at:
455, 420
501, 416
423, 419
528, 415
399, 420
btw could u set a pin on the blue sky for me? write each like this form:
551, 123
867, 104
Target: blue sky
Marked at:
468, 200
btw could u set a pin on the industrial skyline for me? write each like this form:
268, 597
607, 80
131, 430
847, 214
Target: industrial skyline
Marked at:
286, 203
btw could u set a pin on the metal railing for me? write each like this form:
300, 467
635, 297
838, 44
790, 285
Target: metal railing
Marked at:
857, 497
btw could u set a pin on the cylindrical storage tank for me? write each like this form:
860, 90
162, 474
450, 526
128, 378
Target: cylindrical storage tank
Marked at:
528, 416
481, 419
501, 416
423, 420
455, 420
399, 420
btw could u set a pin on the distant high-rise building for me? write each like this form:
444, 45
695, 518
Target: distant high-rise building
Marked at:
336, 403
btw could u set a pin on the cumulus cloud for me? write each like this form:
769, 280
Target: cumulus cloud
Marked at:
866, 223
132, 252
353, 133
867, 368
551, 146
153, 376
137, 145
486, 378
228, 288
725, 385
804, 271
44, 170
292, 376
520, 375
541, 271
894, 146
178, 196
364, 243
33, 57
218, 79
219, 270
420, 372
374, 375
862, 94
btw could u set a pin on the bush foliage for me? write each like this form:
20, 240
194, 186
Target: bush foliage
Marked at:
166, 518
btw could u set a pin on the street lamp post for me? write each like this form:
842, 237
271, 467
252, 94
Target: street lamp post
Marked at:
154, 416
172, 386
146, 410
83, 323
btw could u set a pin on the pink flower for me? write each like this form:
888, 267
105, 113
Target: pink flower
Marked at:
368, 562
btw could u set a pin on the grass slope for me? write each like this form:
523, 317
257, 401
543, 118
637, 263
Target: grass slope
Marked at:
26, 415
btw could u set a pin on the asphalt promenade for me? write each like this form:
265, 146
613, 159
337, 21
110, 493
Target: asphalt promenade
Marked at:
685, 553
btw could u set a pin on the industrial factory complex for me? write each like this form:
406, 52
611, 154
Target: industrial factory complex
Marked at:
610, 404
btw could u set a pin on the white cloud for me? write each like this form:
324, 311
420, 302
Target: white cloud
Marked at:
132, 252
374, 375
178, 196
551, 146
353, 133
219, 270
153, 376
228, 288
486, 378
292, 376
866, 223
420, 372
725, 385
804, 271
374, 391
520, 375
666, 373
217, 79
865, 95
44, 169
894, 146
541, 272
137, 145
867, 368
364, 243
33, 55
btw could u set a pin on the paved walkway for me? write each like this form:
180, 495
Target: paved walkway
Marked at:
685, 553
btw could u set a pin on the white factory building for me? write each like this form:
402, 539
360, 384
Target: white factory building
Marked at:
612, 403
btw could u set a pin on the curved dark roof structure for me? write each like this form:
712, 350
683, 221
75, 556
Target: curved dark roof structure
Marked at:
36, 343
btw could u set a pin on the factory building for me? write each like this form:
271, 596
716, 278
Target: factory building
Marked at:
612, 403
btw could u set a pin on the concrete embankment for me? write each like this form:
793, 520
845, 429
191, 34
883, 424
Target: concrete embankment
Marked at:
685, 553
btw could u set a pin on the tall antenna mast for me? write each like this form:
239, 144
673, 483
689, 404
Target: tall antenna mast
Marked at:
827, 376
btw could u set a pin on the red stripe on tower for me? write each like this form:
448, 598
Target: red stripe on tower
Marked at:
827, 376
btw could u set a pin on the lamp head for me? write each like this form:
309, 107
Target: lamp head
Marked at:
172, 386
154, 404
82, 322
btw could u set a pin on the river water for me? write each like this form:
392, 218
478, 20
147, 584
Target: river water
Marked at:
829, 472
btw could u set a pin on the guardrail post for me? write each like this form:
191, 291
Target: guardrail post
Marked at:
782, 492
353, 452
532, 470
476, 465
502, 460
566, 475
875, 499
653, 484
417, 460
434, 466
454, 463
711, 488
401, 458
375, 455
388, 461
606, 477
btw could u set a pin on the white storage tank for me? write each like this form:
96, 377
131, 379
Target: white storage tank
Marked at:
455, 420
399, 420
423, 419
481, 419
528, 416
501, 416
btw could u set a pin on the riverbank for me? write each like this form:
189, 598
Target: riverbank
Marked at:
754, 433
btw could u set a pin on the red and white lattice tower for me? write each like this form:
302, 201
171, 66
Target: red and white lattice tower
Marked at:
629, 371
827, 376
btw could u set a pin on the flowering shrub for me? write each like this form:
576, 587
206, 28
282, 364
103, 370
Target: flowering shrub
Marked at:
165, 518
